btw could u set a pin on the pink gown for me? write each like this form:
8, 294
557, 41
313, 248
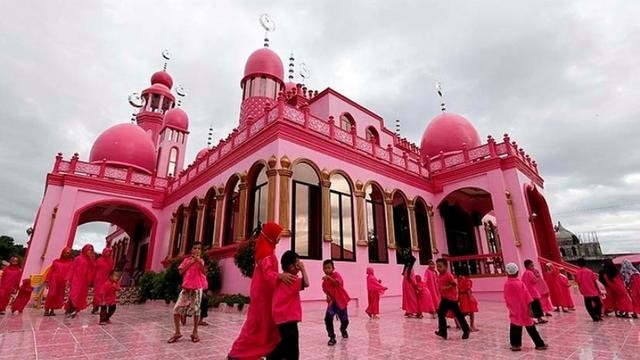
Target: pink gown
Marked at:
517, 299
374, 291
543, 289
551, 277
634, 292
80, 277
618, 295
104, 265
9, 284
566, 300
57, 280
431, 279
24, 295
468, 303
425, 301
409, 297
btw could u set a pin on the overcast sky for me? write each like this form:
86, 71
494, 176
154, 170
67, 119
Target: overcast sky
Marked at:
561, 77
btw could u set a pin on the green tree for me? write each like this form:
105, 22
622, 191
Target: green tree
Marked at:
8, 248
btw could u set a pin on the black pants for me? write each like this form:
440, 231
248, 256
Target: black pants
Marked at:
515, 335
204, 307
445, 306
106, 311
333, 310
594, 306
536, 309
288, 347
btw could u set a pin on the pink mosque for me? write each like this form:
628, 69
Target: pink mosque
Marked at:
342, 185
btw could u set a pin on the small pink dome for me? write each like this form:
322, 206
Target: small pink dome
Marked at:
177, 118
125, 145
448, 132
202, 153
264, 62
162, 77
160, 89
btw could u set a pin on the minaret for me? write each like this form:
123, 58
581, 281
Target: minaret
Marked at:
172, 143
157, 100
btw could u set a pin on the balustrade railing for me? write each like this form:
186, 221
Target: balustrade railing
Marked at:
483, 265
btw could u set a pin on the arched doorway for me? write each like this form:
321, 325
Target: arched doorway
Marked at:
231, 210
192, 223
306, 230
422, 231
258, 195
179, 229
209, 218
342, 235
401, 226
541, 224
376, 224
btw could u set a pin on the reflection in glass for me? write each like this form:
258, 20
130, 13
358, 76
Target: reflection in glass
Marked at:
342, 247
376, 225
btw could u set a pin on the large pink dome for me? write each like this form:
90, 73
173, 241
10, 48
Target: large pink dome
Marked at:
177, 118
264, 62
162, 77
448, 132
125, 145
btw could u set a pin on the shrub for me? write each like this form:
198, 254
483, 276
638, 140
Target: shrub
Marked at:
245, 257
150, 284
214, 273
171, 283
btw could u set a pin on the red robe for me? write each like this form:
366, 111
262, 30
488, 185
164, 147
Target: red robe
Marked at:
431, 279
551, 277
259, 335
80, 277
104, 265
425, 301
617, 292
9, 284
57, 281
634, 292
409, 296
374, 290
468, 303
24, 295
566, 300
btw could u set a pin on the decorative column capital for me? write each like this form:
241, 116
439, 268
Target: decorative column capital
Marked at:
285, 173
285, 163
272, 162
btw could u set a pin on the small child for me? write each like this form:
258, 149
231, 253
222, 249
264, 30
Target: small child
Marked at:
431, 279
337, 300
23, 297
565, 291
449, 301
468, 302
425, 301
287, 309
518, 300
108, 293
588, 285
530, 280
374, 291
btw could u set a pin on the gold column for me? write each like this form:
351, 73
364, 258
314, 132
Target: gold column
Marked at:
53, 221
172, 236
217, 226
411, 206
199, 218
432, 230
185, 228
361, 218
514, 221
242, 217
285, 206
388, 212
325, 186
271, 179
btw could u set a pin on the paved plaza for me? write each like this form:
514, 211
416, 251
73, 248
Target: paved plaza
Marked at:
141, 331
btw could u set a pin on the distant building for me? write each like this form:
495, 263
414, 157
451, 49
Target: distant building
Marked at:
587, 246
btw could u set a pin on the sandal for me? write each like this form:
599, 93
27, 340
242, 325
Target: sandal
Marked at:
195, 338
174, 338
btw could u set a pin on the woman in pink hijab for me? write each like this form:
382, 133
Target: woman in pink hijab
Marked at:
80, 278
374, 290
259, 335
409, 287
10, 282
552, 277
104, 266
57, 281
431, 279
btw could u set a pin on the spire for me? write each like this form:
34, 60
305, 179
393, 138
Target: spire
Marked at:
166, 55
268, 25
291, 67
181, 94
441, 94
210, 136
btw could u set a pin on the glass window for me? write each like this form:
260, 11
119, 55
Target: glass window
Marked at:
258, 201
346, 122
232, 211
342, 246
173, 160
372, 135
306, 212
263, 87
376, 225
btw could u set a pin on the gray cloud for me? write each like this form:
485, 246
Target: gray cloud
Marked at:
560, 77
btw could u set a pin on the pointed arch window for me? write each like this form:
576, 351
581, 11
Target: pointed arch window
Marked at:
342, 236
257, 200
307, 212
376, 225
232, 210
173, 160
347, 122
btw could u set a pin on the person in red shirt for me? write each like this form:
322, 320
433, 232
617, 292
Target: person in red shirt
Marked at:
287, 309
448, 301
337, 300
108, 297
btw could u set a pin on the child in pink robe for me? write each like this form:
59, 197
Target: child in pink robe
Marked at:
337, 300
530, 280
431, 279
9, 282
545, 296
57, 281
631, 277
374, 291
616, 290
409, 296
468, 302
449, 301
518, 301
259, 334
551, 277
104, 266
109, 297
80, 277
565, 291
425, 301
24, 295
588, 285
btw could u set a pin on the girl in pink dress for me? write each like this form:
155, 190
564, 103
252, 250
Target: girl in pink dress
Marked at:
468, 303
409, 296
551, 277
104, 266
631, 277
259, 334
565, 291
431, 279
545, 295
24, 295
9, 282
374, 291
616, 290
425, 301
80, 277
57, 281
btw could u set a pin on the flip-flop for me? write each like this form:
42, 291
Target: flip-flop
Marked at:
174, 338
195, 338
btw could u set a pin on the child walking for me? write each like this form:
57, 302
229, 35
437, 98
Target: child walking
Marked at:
23, 297
9, 282
337, 300
287, 309
587, 284
518, 300
448, 301
108, 297
431, 279
468, 302
530, 280
194, 279
374, 290
425, 302
565, 291
409, 296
